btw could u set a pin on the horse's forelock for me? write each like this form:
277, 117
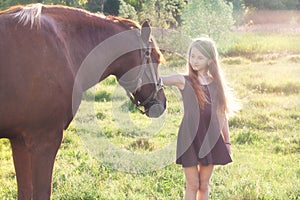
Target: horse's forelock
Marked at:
127, 23
30, 14
161, 58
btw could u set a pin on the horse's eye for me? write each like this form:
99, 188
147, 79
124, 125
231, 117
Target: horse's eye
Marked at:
147, 53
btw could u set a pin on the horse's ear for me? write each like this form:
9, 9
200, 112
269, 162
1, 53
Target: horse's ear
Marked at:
146, 31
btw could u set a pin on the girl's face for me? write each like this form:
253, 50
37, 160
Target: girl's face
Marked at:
198, 61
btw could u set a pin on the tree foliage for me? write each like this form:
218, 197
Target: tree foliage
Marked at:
207, 17
273, 4
175, 7
156, 12
162, 13
127, 10
266, 4
95, 5
112, 7
136, 4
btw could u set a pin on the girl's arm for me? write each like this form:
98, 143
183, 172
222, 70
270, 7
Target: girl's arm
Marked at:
174, 80
226, 135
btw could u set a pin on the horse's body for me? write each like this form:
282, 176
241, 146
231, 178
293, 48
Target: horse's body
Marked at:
41, 51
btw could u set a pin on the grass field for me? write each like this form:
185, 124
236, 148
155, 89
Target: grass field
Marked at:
101, 158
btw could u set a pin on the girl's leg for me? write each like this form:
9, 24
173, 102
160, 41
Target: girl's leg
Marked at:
205, 174
192, 182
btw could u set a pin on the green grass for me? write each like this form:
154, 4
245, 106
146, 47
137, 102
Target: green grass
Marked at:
253, 45
112, 152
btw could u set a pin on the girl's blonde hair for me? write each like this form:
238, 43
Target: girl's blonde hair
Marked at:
208, 48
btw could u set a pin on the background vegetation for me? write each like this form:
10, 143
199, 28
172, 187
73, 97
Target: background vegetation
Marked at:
262, 66
163, 12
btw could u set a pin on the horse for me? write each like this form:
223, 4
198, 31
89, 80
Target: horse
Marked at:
50, 55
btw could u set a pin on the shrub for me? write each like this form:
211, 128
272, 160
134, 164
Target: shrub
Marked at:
294, 59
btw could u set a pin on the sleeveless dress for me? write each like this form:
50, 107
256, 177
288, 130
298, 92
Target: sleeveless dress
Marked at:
199, 137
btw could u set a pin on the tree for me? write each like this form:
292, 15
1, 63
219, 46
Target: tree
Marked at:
127, 11
154, 10
136, 4
175, 7
207, 17
273, 4
162, 13
111, 7
239, 10
95, 5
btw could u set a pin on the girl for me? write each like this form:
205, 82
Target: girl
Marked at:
203, 138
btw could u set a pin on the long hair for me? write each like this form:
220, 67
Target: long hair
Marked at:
208, 48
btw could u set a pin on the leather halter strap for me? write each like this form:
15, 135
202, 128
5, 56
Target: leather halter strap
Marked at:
135, 85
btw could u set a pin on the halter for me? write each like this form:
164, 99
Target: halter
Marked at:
136, 84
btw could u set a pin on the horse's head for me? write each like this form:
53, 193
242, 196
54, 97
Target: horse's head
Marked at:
140, 79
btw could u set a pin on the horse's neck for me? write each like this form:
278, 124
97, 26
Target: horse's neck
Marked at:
80, 33
92, 44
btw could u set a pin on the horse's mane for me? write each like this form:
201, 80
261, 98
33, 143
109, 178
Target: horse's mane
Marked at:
30, 14
124, 22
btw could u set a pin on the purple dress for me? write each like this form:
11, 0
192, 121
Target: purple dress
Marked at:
199, 137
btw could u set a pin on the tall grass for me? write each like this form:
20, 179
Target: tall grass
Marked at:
254, 44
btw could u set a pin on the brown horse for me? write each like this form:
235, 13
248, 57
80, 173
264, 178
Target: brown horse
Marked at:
49, 55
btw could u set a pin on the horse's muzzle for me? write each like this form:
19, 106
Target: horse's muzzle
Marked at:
155, 108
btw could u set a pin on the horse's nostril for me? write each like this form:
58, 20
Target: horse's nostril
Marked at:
155, 111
